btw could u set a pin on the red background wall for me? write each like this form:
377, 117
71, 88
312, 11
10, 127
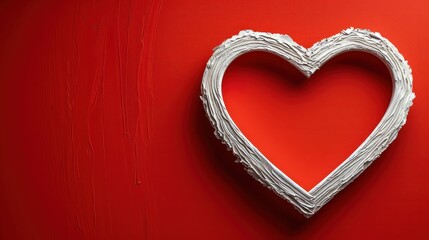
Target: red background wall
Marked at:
104, 136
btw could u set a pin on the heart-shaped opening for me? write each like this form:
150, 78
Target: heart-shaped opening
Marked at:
307, 127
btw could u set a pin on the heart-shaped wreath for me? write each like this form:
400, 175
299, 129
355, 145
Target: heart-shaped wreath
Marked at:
307, 61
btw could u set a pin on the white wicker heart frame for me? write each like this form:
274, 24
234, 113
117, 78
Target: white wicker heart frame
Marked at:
307, 61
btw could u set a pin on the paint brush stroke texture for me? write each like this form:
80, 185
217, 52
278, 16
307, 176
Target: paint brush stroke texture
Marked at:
97, 112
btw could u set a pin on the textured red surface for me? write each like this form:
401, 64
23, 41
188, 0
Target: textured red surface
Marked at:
104, 137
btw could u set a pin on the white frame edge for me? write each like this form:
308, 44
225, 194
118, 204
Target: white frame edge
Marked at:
307, 61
